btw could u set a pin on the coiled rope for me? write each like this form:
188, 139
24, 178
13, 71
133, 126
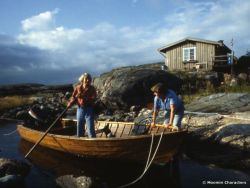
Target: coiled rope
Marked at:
149, 161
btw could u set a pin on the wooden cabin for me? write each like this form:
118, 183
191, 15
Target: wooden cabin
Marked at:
195, 54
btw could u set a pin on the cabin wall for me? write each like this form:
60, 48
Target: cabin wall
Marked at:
204, 56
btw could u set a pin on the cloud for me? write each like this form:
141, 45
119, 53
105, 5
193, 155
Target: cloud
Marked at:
102, 47
43, 21
212, 20
63, 53
50, 39
17, 61
21, 64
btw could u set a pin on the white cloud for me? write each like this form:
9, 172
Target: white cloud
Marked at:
54, 39
106, 46
43, 21
218, 20
102, 44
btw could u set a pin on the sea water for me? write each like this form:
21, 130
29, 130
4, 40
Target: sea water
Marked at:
47, 165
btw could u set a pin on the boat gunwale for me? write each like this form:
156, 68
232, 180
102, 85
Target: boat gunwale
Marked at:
129, 137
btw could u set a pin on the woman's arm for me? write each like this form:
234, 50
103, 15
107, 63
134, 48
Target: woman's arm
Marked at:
172, 113
73, 98
155, 113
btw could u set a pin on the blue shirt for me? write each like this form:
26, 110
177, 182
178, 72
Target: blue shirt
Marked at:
171, 99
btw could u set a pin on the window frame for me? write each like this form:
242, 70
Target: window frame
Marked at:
186, 54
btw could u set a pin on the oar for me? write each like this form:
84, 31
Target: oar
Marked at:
46, 132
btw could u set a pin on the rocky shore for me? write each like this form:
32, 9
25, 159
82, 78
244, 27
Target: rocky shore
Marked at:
221, 140
219, 130
218, 124
32, 88
227, 125
13, 173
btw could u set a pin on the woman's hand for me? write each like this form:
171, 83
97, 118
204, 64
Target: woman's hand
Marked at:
153, 125
155, 113
169, 126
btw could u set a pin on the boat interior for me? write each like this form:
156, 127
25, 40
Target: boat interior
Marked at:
103, 128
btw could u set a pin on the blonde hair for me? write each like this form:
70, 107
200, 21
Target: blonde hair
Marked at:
84, 75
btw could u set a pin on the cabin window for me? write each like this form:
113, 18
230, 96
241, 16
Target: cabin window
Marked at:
189, 54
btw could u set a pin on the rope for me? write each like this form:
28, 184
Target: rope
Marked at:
9, 119
148, 164
7, 134
209, 113
150, 150
228, 116
201, 113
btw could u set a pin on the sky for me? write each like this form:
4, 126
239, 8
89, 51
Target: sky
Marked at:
55, 41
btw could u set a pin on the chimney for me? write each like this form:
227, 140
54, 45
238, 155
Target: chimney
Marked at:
221, 42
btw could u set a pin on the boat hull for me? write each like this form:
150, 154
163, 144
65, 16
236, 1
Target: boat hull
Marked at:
134, 148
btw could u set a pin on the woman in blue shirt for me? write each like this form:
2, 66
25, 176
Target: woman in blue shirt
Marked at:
166, 99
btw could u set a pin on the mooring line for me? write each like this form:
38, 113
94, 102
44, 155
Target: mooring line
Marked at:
215, 113
7, 134
148, 164
9, 119
150, 150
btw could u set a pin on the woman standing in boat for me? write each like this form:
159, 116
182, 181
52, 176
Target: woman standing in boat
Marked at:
84, 96
166, 99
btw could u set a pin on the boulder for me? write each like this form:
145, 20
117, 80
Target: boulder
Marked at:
70, 181
11, 166
220, 139
124, 87
221, 103
234, 130
218, 118
12, 181
12, 173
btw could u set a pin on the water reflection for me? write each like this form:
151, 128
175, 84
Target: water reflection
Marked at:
107, 172
47, 162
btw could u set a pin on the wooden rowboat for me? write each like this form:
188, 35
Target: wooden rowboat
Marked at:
124, 145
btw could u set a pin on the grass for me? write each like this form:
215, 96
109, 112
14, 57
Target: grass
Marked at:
237, 89
209, 90
9, 102
187, 99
